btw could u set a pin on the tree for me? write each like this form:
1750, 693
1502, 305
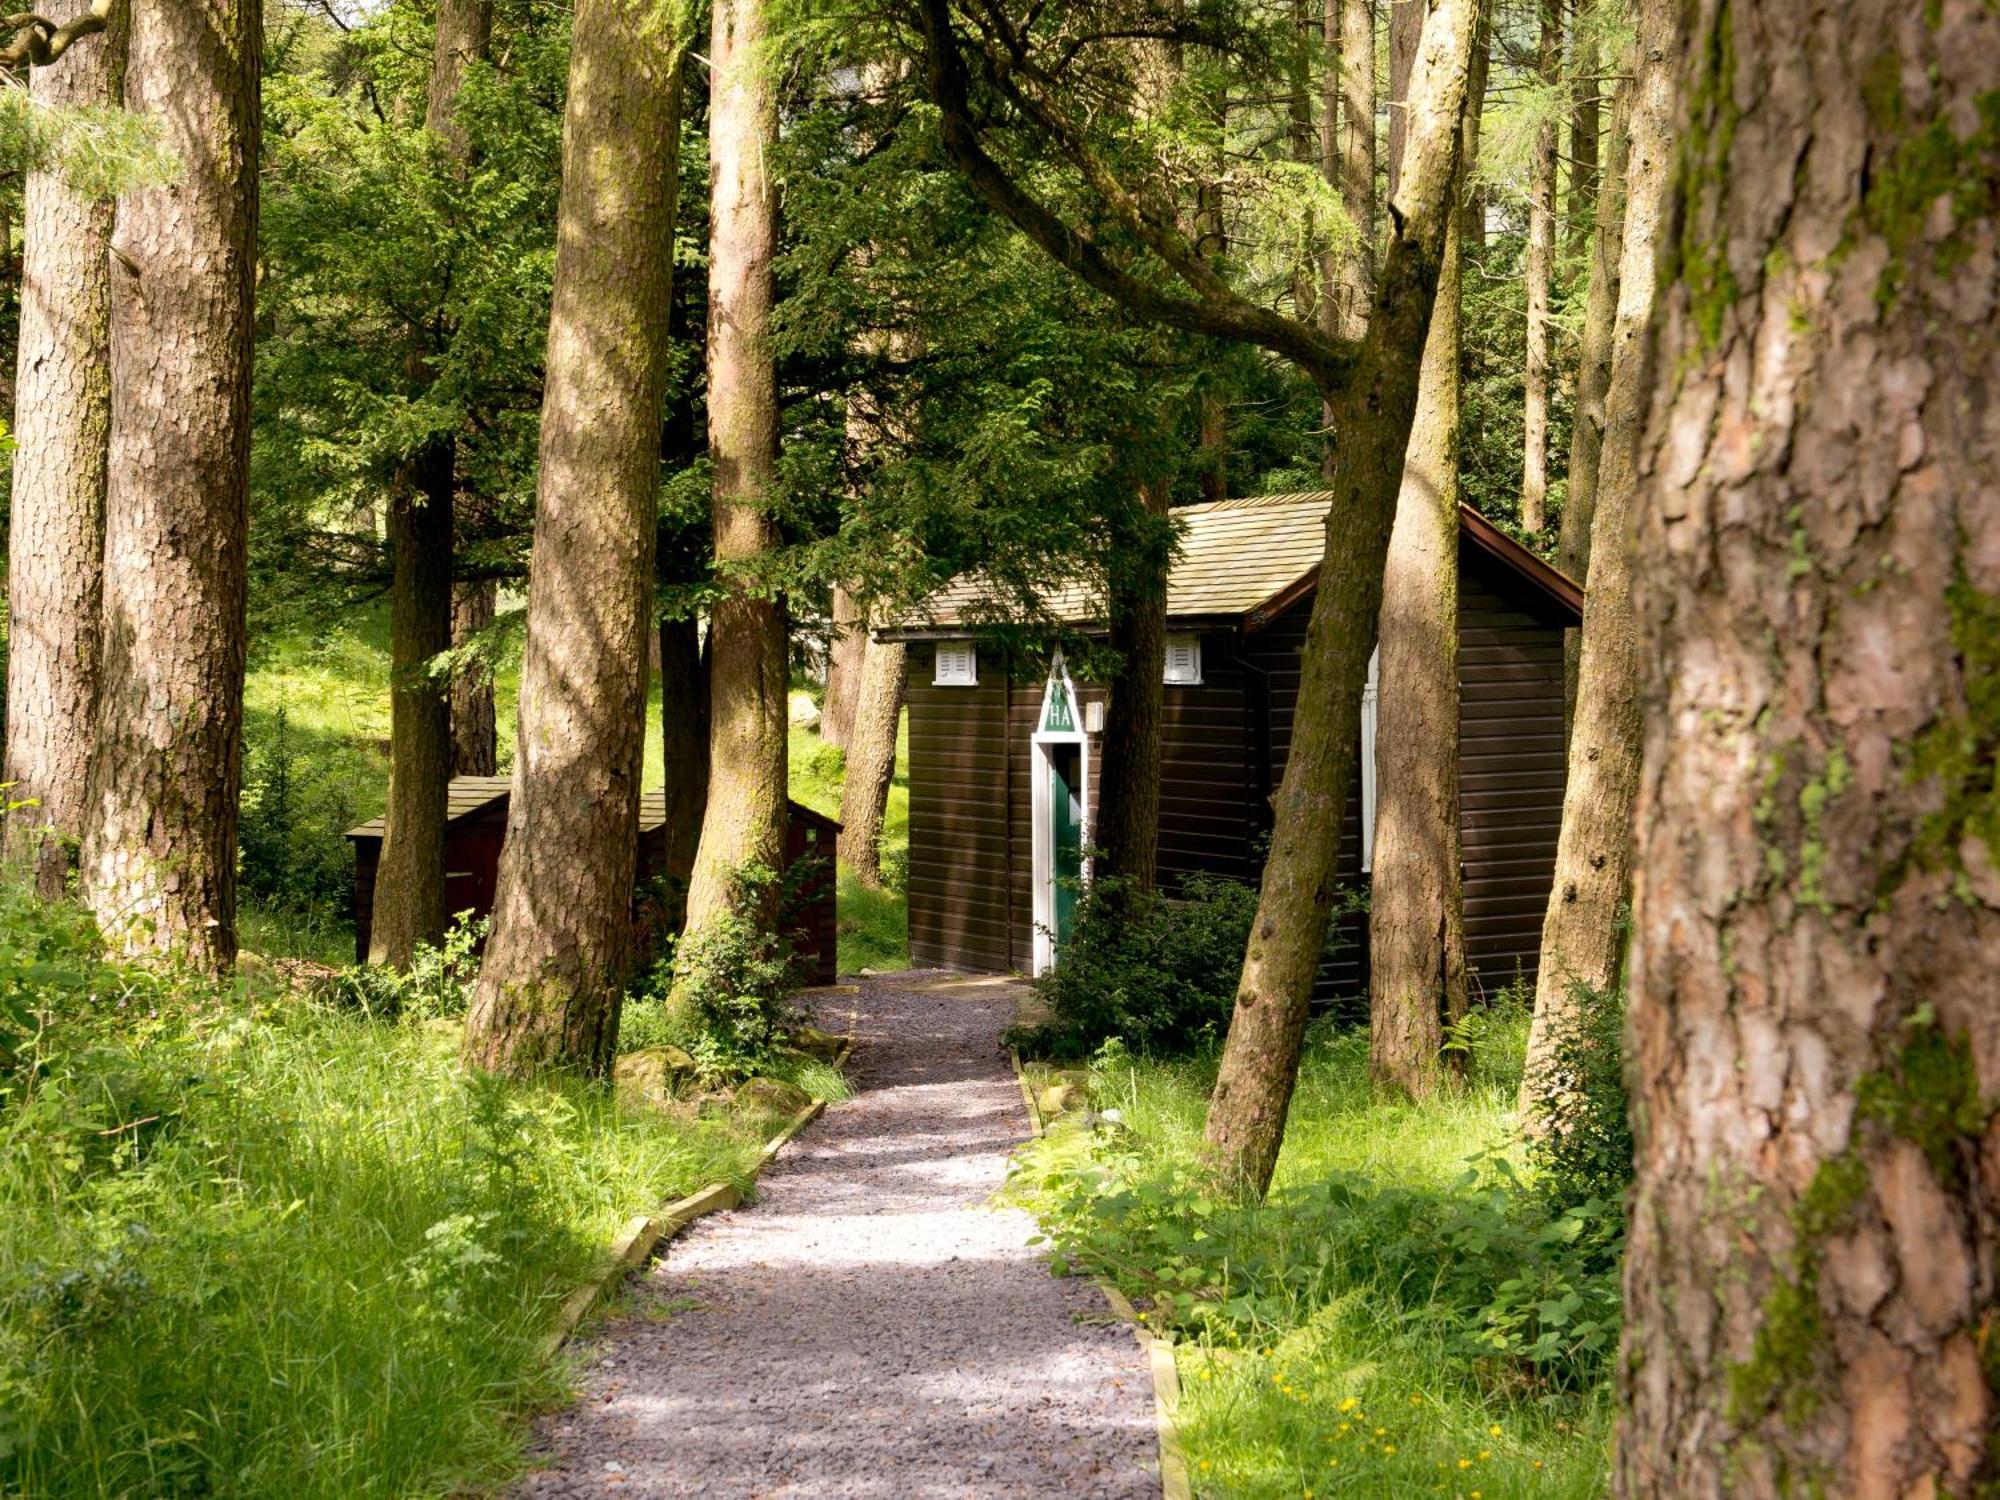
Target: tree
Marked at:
1810, 1282
744, 822
159, 853
1541, 267
871, 760
1580, 935
845, 654
548, 991
1347, 143
63, 433
1416, 911
1127, 826
32, 39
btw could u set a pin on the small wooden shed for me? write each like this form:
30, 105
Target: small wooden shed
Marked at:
476, 827
1004, 749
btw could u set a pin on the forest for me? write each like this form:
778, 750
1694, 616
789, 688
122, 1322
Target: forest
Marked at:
1227, 748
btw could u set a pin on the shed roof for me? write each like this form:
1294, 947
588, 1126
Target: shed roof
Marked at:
1238, 559
469, 795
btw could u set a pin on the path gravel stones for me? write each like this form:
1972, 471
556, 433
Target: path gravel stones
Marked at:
872, 1325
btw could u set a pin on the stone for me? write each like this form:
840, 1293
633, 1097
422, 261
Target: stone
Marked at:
653, 1075
772, 1096
816, 1043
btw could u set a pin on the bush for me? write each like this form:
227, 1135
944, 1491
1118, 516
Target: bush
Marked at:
438, 984
1584, 1148
298, 803
1156, 972
726, 990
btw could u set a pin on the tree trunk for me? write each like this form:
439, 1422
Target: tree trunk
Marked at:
1348, 151
1127, 826
684, 749
745, 821
159, 856
1811, 1281
1593, 380
1416, 913
1372, 405
846, 657
1541, 268
871, 761
1585, 127
464, 36
475, 730
409, 880
1580, 941
55, 580
562, 916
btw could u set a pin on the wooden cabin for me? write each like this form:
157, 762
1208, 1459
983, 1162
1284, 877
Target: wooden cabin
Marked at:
1004, 750
476, 827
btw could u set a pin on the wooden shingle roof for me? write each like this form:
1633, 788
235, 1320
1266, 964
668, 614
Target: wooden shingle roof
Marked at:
1238, 559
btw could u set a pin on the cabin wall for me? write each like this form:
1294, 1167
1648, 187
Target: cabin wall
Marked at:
959, 891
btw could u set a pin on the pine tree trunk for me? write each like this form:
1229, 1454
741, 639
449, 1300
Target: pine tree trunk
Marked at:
1349, 154
1373, 404
55, 561
1580, 940
745, 821
871, 761
475, 729
409, 879
846, 659
1811, 1281
1593, 380
1416, 913
684, 749
464, 36
1541, 267
159, 855
562, 917
1127, 825
1585, 129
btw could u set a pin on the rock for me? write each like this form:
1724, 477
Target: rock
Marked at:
805, 713
653, 1075
1062, 1099
772, 1096
816, 1043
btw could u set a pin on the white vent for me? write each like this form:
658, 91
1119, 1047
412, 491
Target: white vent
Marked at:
1184, 659
957, 665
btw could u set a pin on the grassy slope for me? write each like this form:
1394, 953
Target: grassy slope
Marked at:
874, 925
1268, 1421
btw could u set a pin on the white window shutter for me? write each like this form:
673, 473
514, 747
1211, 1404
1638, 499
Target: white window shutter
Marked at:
957, 665
1369, 695
1183, 659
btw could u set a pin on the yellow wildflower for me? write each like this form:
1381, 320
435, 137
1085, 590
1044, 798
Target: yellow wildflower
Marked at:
1350, 1403
1485, 1453
1494, 1430
1388, 1448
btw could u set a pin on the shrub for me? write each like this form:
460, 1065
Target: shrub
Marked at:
727, 987
437, 985
1158, 973
1584, 1148
298, 803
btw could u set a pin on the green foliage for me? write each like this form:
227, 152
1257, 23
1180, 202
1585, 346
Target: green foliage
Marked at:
299, 800
255, 1245
99, 151
1383, 1313
437, 985
729, 985
1155, 972
1584, 1151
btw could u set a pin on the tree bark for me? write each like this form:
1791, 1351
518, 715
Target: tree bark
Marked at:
159, 855
55, 582
1127, 826
548, 991
1811, 1280
745, 820
1348, 150
871, 761
1585, 130
1593, 380
475, 730
1373, 405
1580, 941
1541, 267
846, 658
409, 879
684, 749
464, 36
1416, 912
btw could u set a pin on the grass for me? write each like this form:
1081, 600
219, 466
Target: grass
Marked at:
1350, 1378
252, 1244
874, 924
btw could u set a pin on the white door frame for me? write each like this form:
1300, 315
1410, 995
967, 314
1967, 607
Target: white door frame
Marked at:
1042, 879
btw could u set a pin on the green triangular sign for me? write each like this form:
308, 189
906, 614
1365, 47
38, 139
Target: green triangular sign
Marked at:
1058, 714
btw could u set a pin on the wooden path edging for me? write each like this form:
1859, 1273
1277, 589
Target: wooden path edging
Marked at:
1175, 1481
644, 1234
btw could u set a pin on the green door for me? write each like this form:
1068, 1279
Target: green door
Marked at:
1065, 834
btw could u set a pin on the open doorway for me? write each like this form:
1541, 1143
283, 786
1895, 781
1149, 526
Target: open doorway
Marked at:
1060, 771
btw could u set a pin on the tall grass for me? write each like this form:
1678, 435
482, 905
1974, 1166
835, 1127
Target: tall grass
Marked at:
1345, 1371
252, 1245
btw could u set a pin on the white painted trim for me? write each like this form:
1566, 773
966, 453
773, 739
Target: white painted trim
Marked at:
1370, 694
1041, 878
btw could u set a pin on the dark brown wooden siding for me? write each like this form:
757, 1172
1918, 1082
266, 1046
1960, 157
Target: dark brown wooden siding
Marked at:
959, 748
1223, 749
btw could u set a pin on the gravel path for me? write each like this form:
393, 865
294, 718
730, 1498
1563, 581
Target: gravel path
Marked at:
871, 1326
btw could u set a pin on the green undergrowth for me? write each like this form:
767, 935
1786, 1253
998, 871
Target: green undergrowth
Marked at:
254, 1242
1412, 1311
874, 924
